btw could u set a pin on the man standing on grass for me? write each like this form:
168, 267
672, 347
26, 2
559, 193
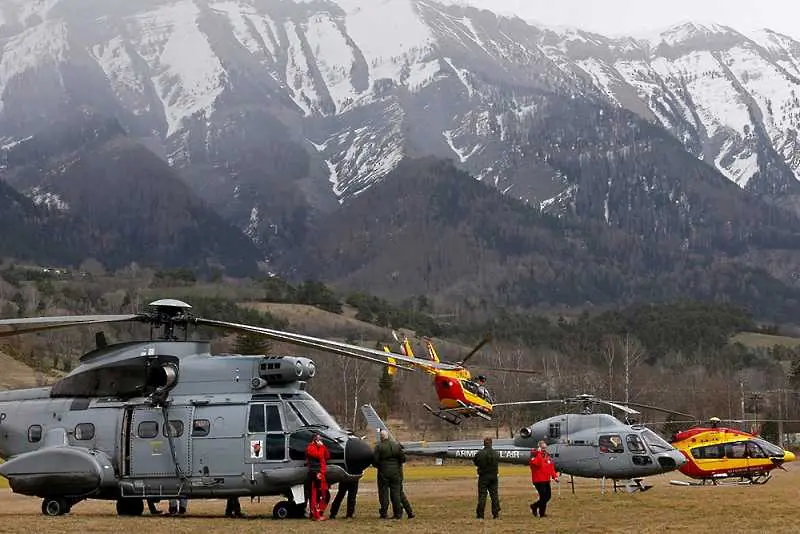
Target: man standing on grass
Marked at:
389, 459
487, 461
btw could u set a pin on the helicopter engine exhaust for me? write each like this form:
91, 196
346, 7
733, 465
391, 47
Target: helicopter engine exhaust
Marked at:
163, 377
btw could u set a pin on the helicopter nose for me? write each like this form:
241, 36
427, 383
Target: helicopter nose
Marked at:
671, 460
357, 456
789, 456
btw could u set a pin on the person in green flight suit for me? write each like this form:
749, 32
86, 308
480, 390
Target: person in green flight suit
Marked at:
487, 461
389, 459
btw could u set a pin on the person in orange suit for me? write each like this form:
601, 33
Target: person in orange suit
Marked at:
316, 486
542, 471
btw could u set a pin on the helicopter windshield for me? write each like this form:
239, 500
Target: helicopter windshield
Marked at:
309, 412
655, 442
769, 448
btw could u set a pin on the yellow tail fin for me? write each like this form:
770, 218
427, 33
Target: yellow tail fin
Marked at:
391, 370
431, 350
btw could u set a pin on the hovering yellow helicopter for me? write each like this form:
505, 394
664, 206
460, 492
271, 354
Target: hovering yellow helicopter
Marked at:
459, 395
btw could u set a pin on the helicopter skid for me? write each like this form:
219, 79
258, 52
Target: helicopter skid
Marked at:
455, 415
444, 415
727, 481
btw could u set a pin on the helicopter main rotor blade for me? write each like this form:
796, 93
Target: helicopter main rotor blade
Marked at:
478, 347
523, 403
656, 408
617, 406
13, 327
507, 370
336, 347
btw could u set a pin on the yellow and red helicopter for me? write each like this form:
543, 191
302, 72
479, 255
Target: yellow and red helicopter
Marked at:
715, 453
459, 395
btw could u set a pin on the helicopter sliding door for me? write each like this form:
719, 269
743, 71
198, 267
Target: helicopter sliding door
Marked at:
612, 453
159, 449
266, 439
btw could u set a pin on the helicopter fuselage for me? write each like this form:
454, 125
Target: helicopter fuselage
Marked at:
584, 445
715, 453
167, 418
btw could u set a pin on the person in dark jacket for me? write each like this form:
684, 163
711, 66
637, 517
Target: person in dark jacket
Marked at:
350, 488
542, 471
487, 461
389, 459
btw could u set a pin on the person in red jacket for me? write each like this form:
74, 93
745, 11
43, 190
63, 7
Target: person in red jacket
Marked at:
542, 471
316, 486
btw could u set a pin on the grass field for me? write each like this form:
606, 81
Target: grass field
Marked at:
444, 501
757, 340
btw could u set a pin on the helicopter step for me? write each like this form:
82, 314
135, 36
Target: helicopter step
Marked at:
632, 485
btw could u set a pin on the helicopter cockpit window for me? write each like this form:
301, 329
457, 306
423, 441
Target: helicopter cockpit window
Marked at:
769, 448
256, 421
201, 427
173, 428
147, 429
656, 443
273, 419
611, 443
84, 431
34, 433
554, 430
311, 412
754, 451
635, 444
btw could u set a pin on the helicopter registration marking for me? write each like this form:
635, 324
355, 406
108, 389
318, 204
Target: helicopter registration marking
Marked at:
256, 448
469, 453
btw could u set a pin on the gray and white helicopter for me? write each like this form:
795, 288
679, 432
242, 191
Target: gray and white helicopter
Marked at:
165, 418
586, 444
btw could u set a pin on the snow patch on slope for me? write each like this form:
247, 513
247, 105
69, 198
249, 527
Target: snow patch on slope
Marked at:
116, 62
50, 200
186, 73
403, 37
334, 58
39, 46
601, 76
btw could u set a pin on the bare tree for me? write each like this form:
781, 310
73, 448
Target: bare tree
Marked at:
609, 352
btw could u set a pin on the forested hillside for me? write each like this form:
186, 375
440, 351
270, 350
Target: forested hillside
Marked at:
431, 229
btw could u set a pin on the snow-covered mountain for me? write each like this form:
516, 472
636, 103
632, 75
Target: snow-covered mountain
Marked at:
732, 99
275, 109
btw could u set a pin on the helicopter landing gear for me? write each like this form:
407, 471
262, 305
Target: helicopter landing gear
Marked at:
54, 506
130, 507
289, 510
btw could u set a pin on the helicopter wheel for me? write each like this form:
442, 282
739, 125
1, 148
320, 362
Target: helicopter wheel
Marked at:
54, 506
131, 507
283, 510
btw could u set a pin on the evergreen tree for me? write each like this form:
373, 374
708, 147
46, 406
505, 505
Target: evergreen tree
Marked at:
252, 344
385, 394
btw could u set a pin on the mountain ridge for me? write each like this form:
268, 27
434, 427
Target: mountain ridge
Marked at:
279, 114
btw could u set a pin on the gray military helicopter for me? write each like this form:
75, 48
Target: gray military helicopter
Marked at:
165, 418
586, 444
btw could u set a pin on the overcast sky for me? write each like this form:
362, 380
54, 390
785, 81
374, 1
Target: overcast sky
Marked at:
614, 17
